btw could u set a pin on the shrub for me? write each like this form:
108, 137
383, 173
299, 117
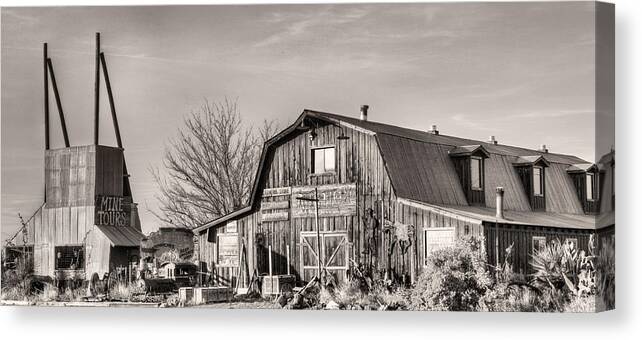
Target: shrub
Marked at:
455, 278
605, 274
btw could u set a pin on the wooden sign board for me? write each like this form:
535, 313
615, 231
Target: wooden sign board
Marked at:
231, 227
272, 192
228, 250
112, 211
275, 204
334, 200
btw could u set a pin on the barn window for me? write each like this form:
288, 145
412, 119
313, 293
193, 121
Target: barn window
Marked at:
538, 182
539, 244
323, 160
590, 185
70, 257
476, 173
572, 241
436, 238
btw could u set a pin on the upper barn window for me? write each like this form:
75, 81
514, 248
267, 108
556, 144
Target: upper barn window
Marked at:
476, 172
469, 165
323, 160
538, 182
590, 186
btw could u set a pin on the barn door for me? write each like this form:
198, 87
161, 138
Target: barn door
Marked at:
334, 255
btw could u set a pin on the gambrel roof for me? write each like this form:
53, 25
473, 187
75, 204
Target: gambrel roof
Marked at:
420, 168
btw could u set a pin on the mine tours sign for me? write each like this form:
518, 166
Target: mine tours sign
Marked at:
112, 211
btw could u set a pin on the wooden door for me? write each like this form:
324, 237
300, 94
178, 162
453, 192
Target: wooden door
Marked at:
334, 255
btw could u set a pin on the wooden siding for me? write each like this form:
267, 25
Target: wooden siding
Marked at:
73, 176
425, 218
501, 236
288, 165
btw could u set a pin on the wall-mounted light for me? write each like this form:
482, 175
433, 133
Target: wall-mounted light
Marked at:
313, 134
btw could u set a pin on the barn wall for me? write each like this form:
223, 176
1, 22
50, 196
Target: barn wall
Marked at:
422, 217
288, 164
499, 237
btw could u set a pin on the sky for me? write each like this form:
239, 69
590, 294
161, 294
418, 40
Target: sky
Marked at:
524, 72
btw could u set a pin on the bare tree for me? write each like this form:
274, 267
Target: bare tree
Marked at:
210, 166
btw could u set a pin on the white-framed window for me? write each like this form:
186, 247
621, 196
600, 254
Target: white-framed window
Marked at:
590, 185
436, 238
538, 181
571, 240
323, 160
539, 243
476, 173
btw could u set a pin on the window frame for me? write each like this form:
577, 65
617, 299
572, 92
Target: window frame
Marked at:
480, 169
590, 179
537, 239
572, 240
427, 253
80, 257
541, 181
313, 151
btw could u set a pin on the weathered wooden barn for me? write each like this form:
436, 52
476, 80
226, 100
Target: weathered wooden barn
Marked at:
387, 196
88, 225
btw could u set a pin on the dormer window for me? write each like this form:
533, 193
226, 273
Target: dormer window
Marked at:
538, 181
532, 173
469, 164
586, 179
476, 171
590, 184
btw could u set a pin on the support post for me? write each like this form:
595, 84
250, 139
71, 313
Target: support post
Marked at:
96, 88
46, 93
316, 219
63, 125
110, 96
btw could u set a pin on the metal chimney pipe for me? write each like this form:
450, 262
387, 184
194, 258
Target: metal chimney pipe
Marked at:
46, 93
433, 129
492, 140
96, 89
499, 204
543, 148
364, 112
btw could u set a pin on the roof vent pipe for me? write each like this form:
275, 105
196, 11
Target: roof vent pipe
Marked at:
364, 112
499, 204
492, 140
543, 148
433, 129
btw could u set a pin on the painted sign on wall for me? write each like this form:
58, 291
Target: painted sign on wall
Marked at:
228, 250
275, 204
334, 200
112, 211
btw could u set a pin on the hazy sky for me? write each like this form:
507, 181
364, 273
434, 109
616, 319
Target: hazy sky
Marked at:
523, 72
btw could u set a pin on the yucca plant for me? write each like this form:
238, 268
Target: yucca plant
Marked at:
562, 265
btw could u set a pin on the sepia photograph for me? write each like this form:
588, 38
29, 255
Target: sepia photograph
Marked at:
429, 156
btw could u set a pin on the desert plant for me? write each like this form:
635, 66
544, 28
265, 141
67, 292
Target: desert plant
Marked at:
563, 266
605, 273
455, 278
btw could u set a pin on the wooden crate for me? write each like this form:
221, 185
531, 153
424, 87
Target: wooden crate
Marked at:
277, 284
203, 295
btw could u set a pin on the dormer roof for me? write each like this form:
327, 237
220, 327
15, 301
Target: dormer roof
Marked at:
531, 160
469, 150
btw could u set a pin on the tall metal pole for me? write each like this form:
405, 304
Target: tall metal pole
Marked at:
110, 96
316, 219
96, 88
63, 125
46, 88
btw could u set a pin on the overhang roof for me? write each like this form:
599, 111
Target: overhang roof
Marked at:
531, 218
122, 236
531, 160
582, 167
469, 150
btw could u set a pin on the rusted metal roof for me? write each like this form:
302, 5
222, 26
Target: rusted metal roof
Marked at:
122, 236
